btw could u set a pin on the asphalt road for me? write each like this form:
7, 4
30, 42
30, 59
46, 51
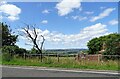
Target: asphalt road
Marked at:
32, 72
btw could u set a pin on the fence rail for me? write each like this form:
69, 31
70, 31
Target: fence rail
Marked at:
69, 57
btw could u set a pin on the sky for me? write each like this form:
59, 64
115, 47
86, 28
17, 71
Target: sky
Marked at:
64, 24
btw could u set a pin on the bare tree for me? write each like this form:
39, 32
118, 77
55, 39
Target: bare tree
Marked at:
33, 37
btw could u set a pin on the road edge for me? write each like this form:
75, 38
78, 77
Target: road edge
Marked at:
64, 69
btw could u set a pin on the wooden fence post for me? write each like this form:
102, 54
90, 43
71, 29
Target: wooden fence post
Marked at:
58, 57
47, 57
38, 56
41, 57
24, 56
98, 58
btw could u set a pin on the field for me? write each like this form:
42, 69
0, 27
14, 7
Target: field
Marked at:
64, 62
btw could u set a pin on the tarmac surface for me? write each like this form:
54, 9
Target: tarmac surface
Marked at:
9, 71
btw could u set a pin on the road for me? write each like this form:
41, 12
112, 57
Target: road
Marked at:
43, 72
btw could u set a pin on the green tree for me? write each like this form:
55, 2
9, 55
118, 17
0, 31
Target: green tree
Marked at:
14, 50
7, 38
34, 51
111, 41
8, 41
113, 45
94, 45
0, 36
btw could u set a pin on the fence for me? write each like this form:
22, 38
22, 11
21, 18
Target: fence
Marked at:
71, 57
104, 62
49, 56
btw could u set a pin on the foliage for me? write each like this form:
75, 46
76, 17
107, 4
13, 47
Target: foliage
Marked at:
13, 50
8, 43
7, 57
94, 45
7, 37
0, 36
9, 49
85, 51
34, 51
112, 44
7, 53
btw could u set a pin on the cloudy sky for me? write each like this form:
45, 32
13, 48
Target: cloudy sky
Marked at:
63, 24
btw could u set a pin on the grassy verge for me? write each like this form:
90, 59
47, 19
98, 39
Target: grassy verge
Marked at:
0, 59
64, 62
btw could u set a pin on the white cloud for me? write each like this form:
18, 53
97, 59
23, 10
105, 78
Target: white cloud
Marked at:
75, 17
13, 18
3, 2
45, 11
74, 40
67, 6
44, 22
102, 8
1, 17
10, 11
105, 13
113, 22
89, 12
80, 18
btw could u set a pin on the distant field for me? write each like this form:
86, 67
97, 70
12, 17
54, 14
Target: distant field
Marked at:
64, 62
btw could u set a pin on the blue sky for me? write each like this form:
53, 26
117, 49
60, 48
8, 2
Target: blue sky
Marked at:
64, 25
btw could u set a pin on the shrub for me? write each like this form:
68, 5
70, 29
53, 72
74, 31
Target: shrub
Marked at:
13, 50
7, 57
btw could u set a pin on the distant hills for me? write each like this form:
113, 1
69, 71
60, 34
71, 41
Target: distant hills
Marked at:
66, 51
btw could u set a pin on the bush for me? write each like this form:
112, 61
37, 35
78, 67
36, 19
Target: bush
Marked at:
110, 43
10, 49
7, 57
34, 51
20, 51
7, 53
13, 50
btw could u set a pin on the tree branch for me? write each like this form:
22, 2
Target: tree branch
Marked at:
34, 39
42, 42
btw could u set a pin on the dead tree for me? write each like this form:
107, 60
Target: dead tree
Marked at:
33, 38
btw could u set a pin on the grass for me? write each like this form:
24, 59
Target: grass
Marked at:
64, 62
0, 59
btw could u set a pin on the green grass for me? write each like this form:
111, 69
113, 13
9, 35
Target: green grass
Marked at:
64, 62
0, 59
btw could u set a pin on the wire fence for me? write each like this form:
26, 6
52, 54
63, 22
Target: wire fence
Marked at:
72, 57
